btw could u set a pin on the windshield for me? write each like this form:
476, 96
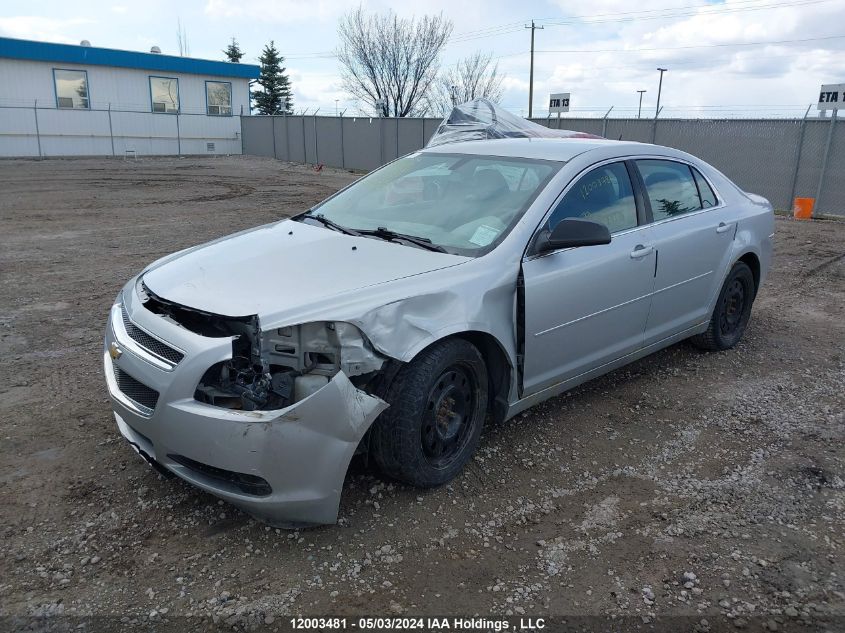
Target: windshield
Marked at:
462, 203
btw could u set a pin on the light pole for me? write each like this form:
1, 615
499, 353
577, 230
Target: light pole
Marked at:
659, 89
640, 109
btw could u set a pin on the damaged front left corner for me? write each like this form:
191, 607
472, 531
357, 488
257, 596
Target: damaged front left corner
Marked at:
312, 443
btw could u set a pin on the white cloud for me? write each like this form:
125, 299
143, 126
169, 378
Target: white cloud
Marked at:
278, 11
33, 27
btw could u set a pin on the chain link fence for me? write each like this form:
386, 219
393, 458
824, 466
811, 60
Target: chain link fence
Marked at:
780, 159
48, 131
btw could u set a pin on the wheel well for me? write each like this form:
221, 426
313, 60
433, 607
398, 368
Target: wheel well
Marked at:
751, 260
498, 371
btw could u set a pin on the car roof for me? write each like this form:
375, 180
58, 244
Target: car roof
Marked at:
558, 149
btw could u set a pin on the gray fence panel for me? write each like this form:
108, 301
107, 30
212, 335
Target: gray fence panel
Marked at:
327, 141
637, 130
815, 136
410, 135
361, 143
430, 127
296, 139
280, 137
258, 136
833, 195
759, 155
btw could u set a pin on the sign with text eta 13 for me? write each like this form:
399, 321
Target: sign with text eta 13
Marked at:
559, 102
832, 97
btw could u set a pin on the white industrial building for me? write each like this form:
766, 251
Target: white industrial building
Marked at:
66, 100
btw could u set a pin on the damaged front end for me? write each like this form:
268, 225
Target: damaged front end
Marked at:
287, 408
275, 368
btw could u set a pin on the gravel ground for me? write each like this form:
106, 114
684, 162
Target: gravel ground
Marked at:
708, 488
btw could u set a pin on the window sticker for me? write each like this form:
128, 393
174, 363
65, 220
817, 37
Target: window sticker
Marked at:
484, 235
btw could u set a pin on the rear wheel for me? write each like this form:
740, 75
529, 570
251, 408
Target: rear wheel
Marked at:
731, 313
438, 403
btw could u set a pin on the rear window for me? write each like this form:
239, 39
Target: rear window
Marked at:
708, 197
670, 187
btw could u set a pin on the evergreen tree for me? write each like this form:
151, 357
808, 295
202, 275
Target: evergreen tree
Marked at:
275, 96
233, 52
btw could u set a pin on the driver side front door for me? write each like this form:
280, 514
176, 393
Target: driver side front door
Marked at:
588, 306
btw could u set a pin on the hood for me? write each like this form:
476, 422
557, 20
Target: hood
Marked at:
280, 266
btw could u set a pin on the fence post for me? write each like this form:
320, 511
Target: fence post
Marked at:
798, 157
397, 136
287, 137
241, 120
818, 205
381, 140
37, 132
273, 130
342, 149
603, 123
178, 136
111, 132
316, 141
304, 150
654, 127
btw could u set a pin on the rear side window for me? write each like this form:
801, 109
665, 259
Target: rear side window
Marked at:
670, 187
708, 198
603, 195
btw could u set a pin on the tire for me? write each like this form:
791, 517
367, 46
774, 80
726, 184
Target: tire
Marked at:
438, 403
731, 313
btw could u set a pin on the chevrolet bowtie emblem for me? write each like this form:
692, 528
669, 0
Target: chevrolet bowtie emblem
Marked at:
114, 351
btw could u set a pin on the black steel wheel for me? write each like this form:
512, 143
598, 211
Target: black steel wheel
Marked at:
732, 311
438, 403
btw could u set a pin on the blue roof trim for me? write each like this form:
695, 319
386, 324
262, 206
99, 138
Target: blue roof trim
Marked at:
89, 55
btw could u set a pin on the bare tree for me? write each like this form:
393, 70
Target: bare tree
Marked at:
471, 78
389, 60
182, 39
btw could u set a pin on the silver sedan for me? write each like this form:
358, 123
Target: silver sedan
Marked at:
454, 287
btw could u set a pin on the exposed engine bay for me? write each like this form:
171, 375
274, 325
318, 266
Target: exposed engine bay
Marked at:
276, 368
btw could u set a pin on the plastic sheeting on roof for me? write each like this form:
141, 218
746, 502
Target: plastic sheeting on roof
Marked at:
481, 119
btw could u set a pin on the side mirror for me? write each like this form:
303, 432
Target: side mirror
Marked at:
571, 233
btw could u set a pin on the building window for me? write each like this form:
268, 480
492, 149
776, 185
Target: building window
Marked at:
164, 94
218, 98
71, 89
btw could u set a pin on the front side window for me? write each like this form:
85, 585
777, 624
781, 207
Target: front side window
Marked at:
463, 203
670, 188
71, 89
164, 93
603, 195
218, 97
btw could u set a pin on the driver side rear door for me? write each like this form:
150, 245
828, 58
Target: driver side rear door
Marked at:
585, 307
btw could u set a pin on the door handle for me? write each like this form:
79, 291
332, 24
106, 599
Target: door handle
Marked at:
641, 251
722, 228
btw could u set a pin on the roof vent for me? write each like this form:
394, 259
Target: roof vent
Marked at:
156, 50
85, 43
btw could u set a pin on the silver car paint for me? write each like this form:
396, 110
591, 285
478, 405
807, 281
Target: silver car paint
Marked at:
403, 299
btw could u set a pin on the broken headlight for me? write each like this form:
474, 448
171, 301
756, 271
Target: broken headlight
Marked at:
285, 365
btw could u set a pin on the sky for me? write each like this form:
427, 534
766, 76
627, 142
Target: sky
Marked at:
755, 58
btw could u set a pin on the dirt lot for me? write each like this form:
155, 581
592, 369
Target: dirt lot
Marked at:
707, 486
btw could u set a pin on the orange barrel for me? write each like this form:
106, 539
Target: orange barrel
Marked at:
802, 208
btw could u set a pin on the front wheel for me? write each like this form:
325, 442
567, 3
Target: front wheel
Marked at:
732, 312
438, 403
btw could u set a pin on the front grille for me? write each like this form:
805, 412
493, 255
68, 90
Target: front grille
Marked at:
248, 484
148, 342
141, 395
